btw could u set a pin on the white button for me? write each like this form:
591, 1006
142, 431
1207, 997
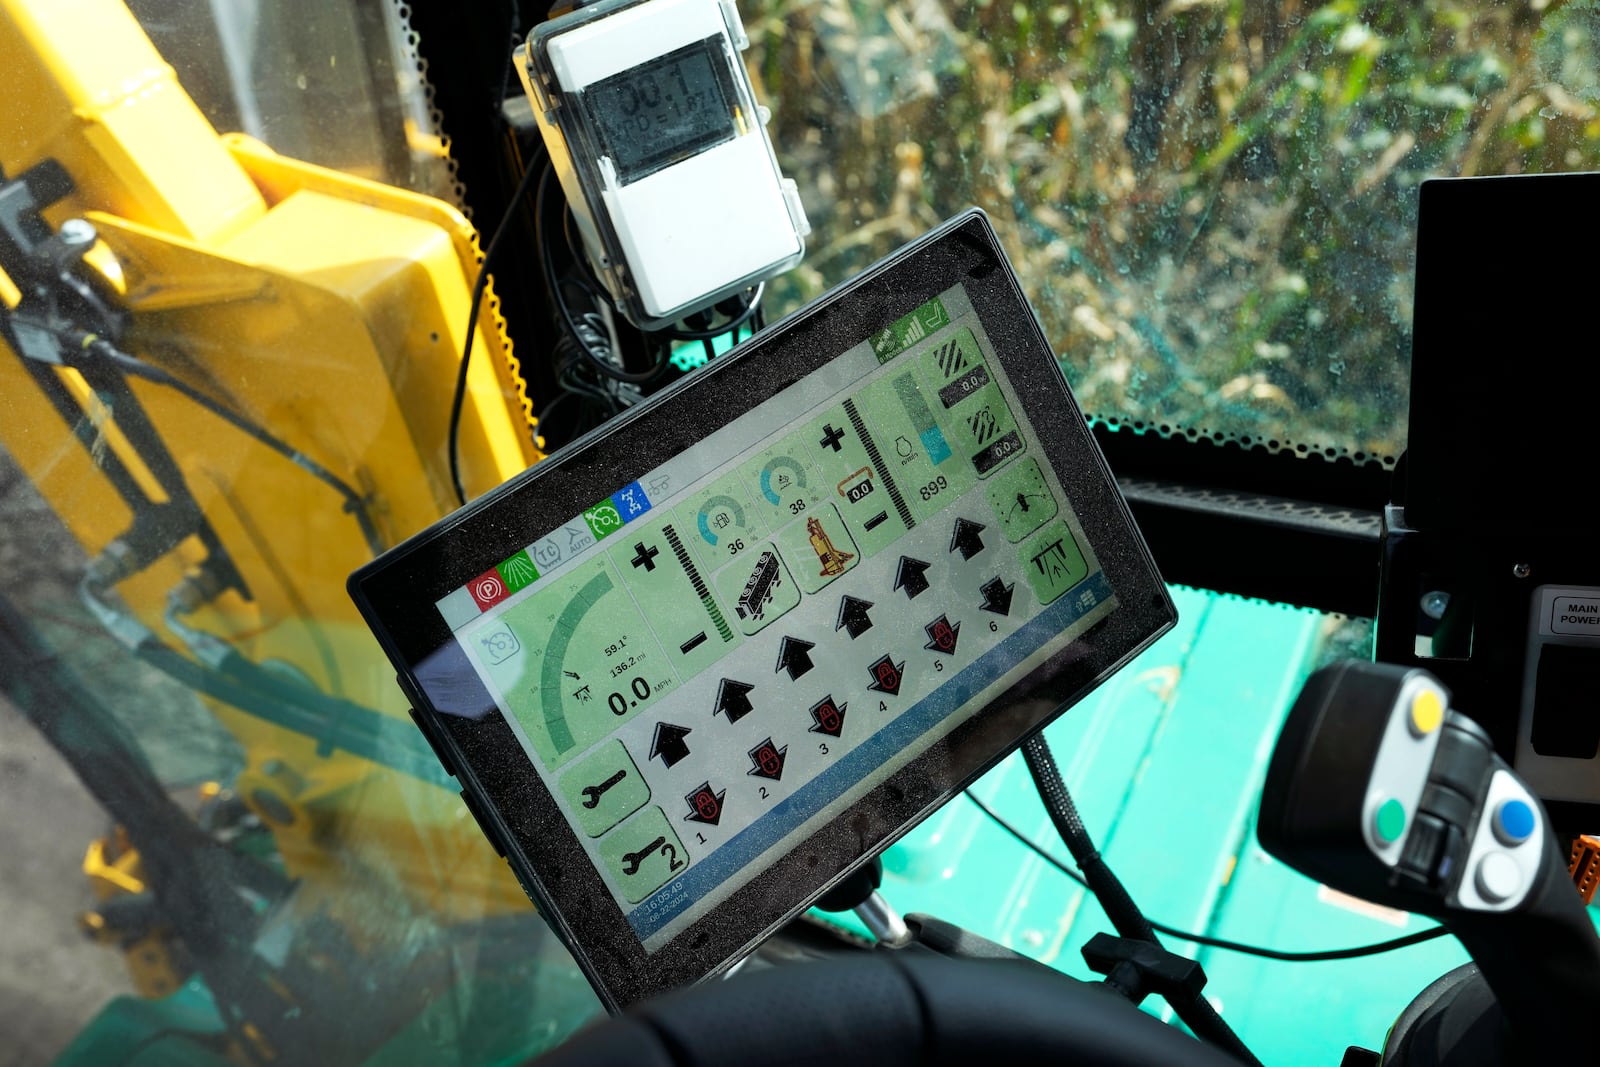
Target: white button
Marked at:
1498, 878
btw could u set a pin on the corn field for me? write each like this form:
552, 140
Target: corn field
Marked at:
1211, 203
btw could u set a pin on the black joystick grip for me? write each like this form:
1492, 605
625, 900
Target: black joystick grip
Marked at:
1377, 788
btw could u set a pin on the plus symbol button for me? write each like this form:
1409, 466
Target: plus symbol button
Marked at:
831, 437
646, 557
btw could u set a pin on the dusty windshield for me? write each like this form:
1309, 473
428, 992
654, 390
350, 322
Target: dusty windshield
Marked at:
1211, 205
235, 281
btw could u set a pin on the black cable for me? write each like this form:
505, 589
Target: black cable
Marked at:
598, 405
549, 409
1119, 906
592, 359
752, 306
354, 503
1195, 1011
585, 269
573, 381
478, 287
750, 310
1375, 949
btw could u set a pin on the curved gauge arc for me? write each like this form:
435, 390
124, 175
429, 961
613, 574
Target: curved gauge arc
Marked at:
592, 665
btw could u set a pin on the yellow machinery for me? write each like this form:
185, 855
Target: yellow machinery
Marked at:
232, 390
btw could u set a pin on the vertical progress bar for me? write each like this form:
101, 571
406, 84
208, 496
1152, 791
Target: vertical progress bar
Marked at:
698, 582
878, 464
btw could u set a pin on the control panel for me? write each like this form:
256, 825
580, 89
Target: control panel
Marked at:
718, 665
696, 667
1378, 788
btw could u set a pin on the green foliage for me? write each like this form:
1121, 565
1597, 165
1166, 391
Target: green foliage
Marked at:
1211, 203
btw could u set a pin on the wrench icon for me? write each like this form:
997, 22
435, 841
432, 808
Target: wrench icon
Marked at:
591, 793
631, 860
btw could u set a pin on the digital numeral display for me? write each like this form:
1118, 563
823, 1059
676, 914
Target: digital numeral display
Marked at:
665, 110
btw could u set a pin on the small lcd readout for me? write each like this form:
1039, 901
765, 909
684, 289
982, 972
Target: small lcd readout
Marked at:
715, 659
665, 110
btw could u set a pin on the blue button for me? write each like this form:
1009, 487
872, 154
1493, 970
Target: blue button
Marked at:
1513, 822
630, 501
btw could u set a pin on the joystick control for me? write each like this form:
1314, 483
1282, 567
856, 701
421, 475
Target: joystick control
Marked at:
1379, 789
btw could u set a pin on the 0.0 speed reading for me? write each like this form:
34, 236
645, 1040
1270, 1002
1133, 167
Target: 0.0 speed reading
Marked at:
620, 705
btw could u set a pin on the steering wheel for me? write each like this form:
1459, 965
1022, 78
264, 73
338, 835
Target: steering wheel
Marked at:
887, 1010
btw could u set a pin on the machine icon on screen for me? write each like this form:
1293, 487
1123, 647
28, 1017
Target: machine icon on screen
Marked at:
1052, 561
758, 590
499, 644
857, 487
833, 560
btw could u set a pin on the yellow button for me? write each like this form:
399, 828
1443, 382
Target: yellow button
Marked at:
1427, 712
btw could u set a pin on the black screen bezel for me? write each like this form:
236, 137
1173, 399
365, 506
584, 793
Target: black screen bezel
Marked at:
397, 594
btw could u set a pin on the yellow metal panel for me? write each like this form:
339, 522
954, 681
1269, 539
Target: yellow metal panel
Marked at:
83, 85
331, 344
495, 380
403, 272
55, 463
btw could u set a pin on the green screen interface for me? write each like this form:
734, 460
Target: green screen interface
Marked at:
717, 658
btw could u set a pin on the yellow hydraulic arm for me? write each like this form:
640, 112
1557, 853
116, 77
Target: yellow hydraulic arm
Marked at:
326, 310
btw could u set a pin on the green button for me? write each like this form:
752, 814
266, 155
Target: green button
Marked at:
759, 587
604, 788
643, 854
818, 548
518, 572
1390, 822
1021, 499
603, 519
720, 521
1052, 562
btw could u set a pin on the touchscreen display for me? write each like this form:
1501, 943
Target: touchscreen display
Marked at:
715, 659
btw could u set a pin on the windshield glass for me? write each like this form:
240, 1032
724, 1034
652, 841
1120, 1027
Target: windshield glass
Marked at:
1212, 206
333, 82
